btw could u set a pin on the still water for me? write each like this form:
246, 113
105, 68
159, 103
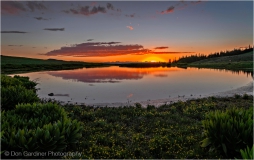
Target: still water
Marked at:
118, 84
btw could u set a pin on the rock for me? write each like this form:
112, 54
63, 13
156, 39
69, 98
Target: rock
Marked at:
51, 94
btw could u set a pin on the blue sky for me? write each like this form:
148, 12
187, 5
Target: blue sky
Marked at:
139, 31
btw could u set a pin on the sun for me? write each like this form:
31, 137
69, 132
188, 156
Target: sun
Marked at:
153, 59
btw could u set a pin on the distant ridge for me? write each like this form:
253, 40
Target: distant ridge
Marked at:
26, 60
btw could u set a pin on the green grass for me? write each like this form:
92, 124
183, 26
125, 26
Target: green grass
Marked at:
10, 65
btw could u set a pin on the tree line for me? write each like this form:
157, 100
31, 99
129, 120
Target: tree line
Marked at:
198, 57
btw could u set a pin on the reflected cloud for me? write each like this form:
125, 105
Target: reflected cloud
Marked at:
161, 75
109, 74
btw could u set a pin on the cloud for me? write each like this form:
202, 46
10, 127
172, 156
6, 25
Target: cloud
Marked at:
169, 10
169, 52
88, 10
161, 75
33, 5
196, 2
15, 45
94, 49
74, 11
103, 49
54, 29
13, 32
85, 10
98, 9
179, 6
130, 95
160, 47
13, 7
40, 18
90, 40
110, 6
130, 27
131, 15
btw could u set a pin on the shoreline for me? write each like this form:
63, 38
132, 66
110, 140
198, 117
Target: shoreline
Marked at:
246, 89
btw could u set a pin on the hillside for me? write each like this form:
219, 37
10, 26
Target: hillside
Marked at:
23, 60
10, 65
238, 62
242, 57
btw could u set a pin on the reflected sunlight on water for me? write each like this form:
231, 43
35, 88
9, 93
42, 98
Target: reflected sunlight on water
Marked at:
118, 84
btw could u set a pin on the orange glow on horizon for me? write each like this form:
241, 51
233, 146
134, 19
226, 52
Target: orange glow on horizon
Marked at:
39, 53
153, 59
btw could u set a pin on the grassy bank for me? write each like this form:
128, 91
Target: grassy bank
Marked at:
11, 65
243, 62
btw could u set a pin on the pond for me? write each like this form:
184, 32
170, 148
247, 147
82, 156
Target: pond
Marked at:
130, 85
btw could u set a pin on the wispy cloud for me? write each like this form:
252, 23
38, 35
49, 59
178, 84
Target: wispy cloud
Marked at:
33, 5
40, 18
196, 2
15, 45
90, 40
161, 75
94, 49
131, 15
92, 9
169, 10
54, 29
130, 27
179, 6
169, 52
160, 47
110, 6
13, 32
14, 7
86, 10
103, 49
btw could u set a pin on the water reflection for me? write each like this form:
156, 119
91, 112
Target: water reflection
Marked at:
110, 74
101, 85
248, 73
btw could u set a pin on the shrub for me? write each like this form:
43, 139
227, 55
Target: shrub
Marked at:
38, 127
17, 90
26, 82
9, 81
245, 96
13, 95
228, 131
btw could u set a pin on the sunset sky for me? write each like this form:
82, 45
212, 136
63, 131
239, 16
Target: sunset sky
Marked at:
123, 31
